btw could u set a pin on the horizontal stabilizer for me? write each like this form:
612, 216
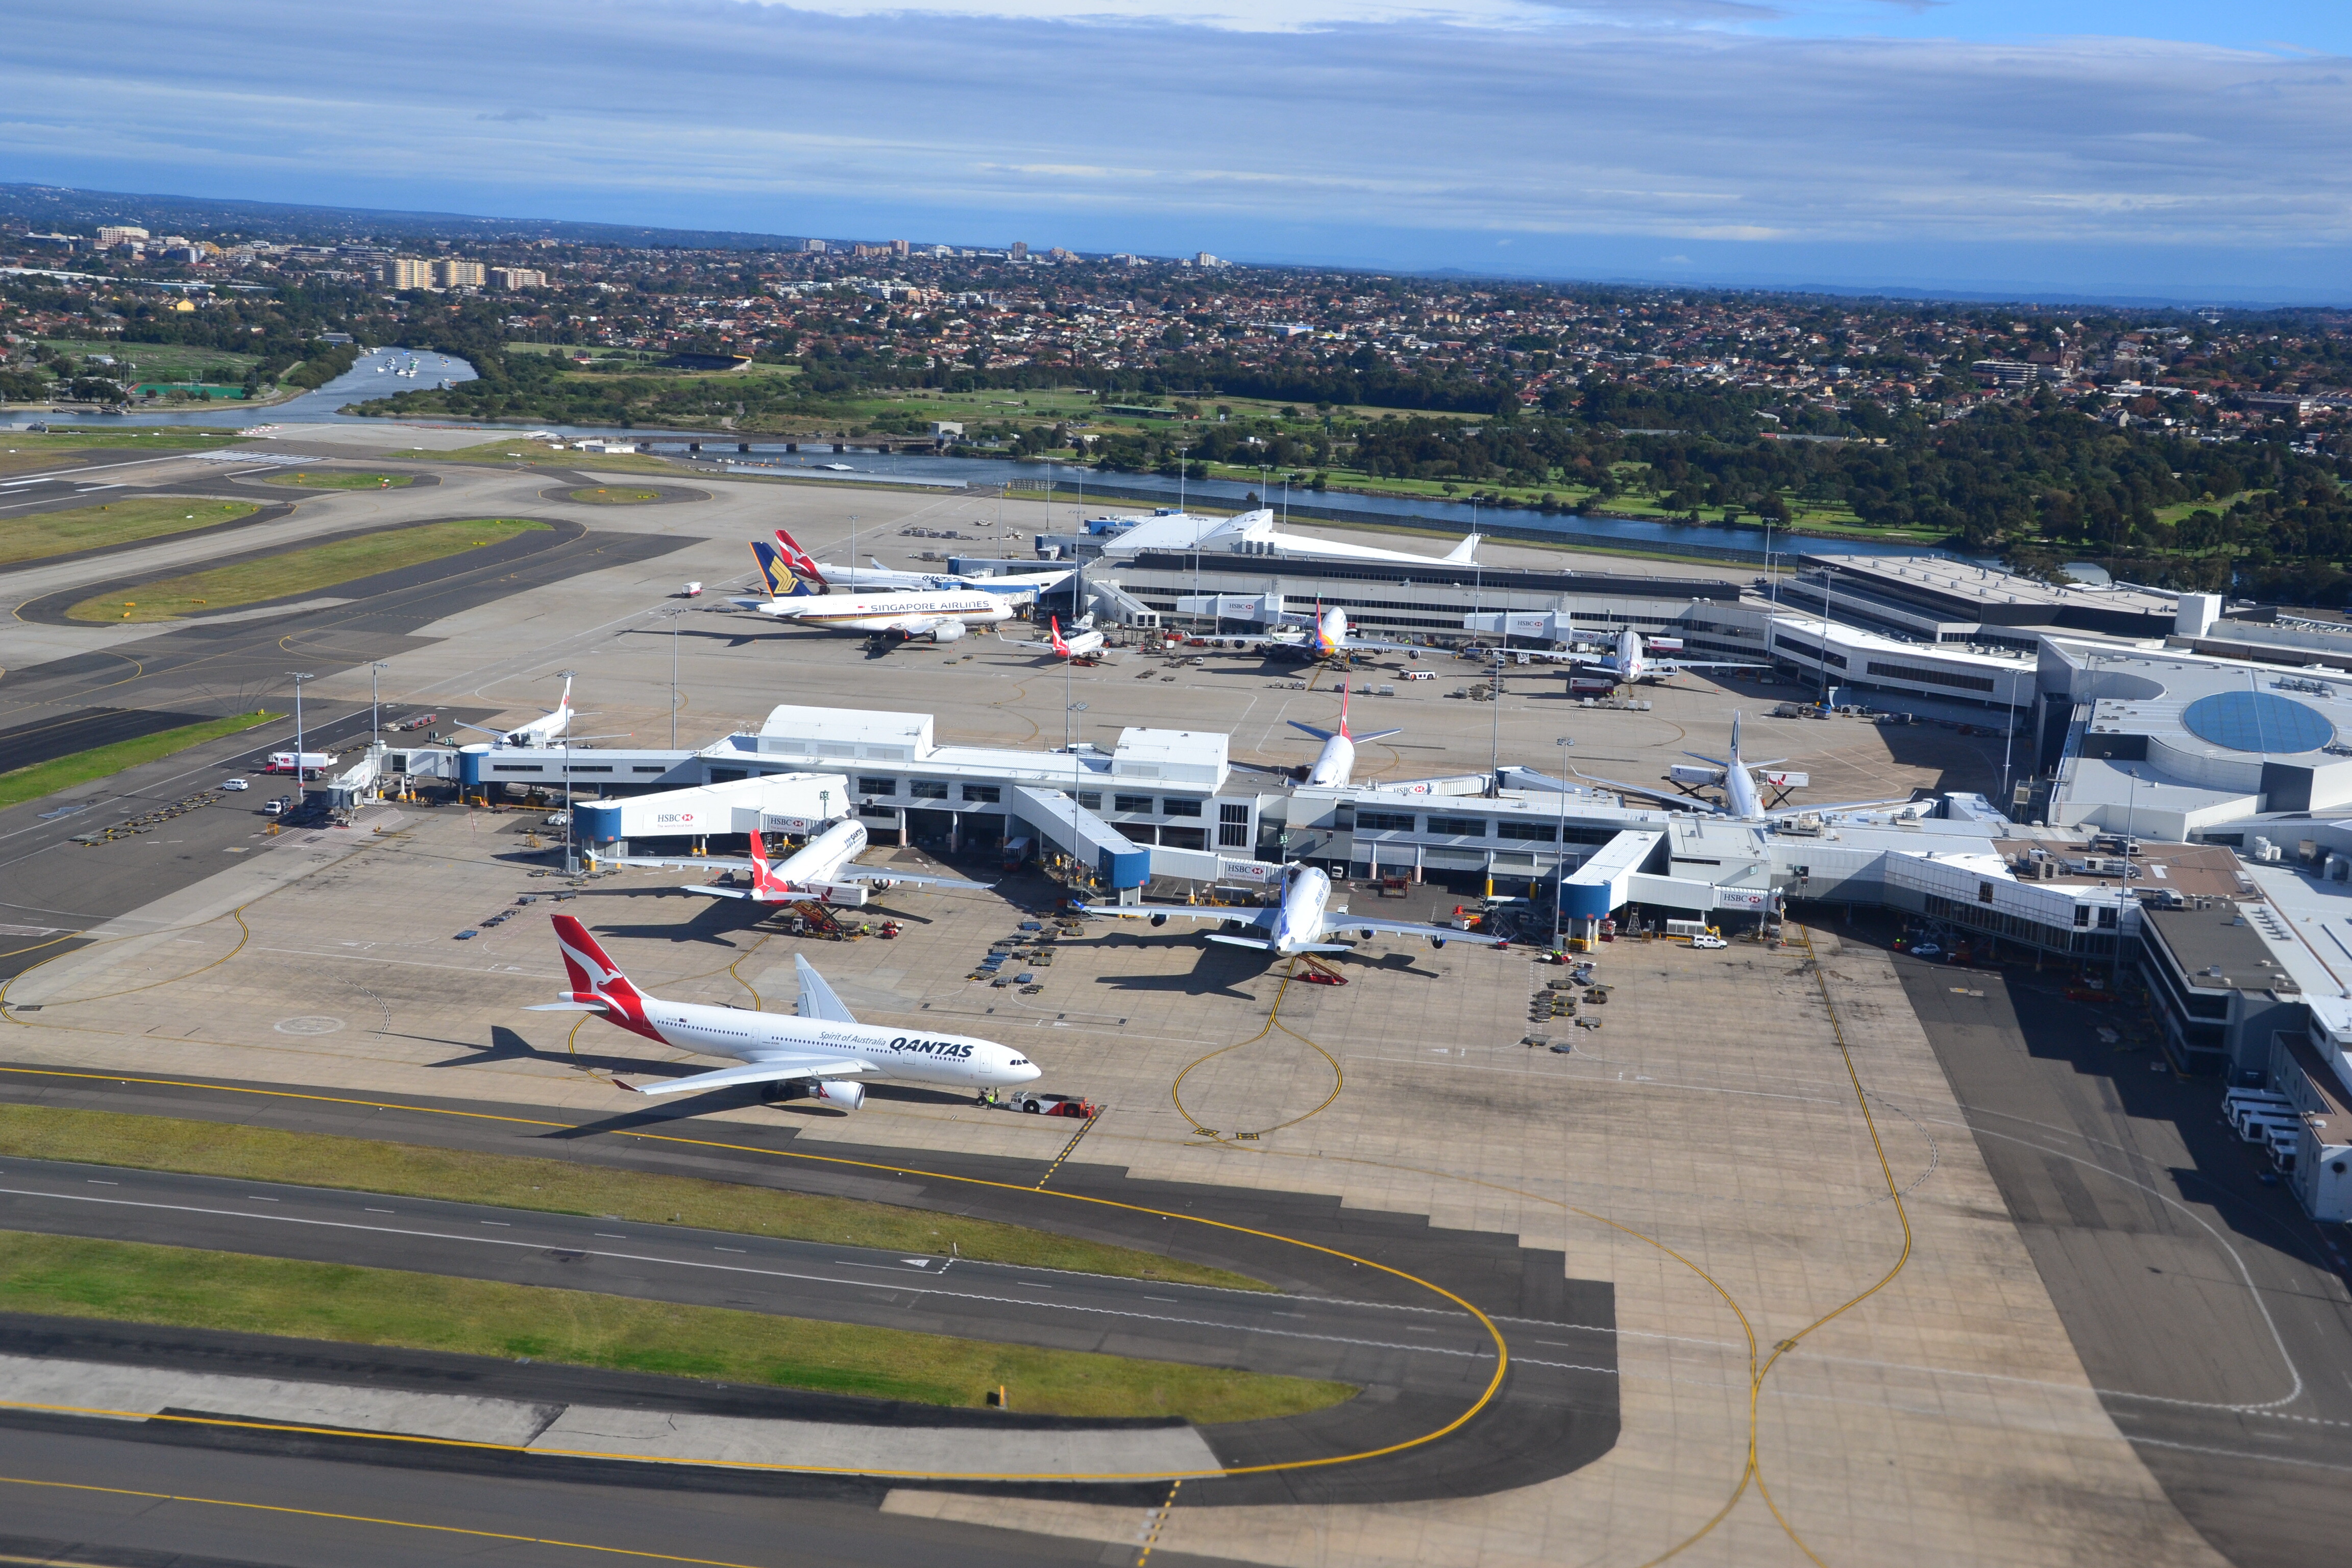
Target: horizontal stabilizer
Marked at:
1318, 734
1375, 735
710, 892
568, 1007
1249, 941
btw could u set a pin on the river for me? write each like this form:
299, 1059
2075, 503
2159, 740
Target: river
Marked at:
374, 376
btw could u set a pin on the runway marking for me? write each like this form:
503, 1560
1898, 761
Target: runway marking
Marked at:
1067, 1149
1159, 1523
1272, 1022
367, 1518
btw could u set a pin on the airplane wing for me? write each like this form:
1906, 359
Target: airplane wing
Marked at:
775, 1070
885, 874
682, 863
1837, 805
1649, 792
1674, 664
1160, 913
1336, 923
817, 1000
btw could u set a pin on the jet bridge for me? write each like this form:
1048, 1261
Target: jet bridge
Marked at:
1594, 890
1084, 836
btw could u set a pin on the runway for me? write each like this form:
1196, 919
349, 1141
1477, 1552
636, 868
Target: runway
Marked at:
2204, 1305
1417, 1355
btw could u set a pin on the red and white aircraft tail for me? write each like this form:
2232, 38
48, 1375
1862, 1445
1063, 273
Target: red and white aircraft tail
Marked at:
597, 982
803, 564
765, 884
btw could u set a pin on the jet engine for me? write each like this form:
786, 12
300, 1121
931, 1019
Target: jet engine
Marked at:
1160, 920
1437, 941
947, 631
846, 1093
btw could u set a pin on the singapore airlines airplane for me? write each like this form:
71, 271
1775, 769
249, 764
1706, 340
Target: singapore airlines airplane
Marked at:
824, 1054
1742, 801
1337, 762
943, 616
1298, 924
788, 560
820, 869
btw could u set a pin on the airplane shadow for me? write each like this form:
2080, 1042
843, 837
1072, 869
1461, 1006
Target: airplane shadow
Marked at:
505, 1045
746, 1098
1220, 971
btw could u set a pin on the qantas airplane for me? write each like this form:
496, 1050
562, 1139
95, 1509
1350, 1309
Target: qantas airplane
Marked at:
1298, 924
788, 560
824, 1054
1082, 641
943, 616
1742, 801
820, 869
1336, 761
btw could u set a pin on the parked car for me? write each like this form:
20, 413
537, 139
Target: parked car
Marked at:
1926, 950
1708, 939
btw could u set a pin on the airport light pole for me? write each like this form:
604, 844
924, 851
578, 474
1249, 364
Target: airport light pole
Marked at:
299, 793
1559, 857
570, 844
1829, 587
376, 719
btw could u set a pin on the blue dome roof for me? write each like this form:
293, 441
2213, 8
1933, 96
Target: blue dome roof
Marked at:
2257, 721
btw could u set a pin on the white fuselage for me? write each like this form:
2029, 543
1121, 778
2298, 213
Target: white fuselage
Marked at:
891, 612
957, 1059
1333, 764
546, 732
1298, 924
813, 866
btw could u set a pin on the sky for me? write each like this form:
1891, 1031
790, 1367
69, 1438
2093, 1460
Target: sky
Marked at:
2158, 149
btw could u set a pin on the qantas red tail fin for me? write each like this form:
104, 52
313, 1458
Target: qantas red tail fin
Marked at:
1343, 712
763, 880
1059, 646
803, 564
592, 970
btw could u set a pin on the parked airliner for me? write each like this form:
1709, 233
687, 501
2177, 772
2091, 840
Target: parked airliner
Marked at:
1632, 661
821, 868
788, 560
1335, 762
943, 616
824, 1054
546, 730
1298, 924
1742, 801
1082, 640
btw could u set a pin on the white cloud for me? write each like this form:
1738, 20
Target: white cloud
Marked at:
1410, 139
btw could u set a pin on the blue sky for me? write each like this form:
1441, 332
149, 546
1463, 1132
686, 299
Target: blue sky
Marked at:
2159, 148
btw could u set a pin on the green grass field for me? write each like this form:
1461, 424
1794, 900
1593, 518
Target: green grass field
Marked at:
609, 495
183, 1287
63, 772
116, 523
26, 451
557, 1186
323, 481
162, 362
298, 570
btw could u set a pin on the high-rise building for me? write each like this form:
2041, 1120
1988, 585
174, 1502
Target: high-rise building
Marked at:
408, 272
1020, 250
898, 248
116, 232
814, 246
514, 278
456, 274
